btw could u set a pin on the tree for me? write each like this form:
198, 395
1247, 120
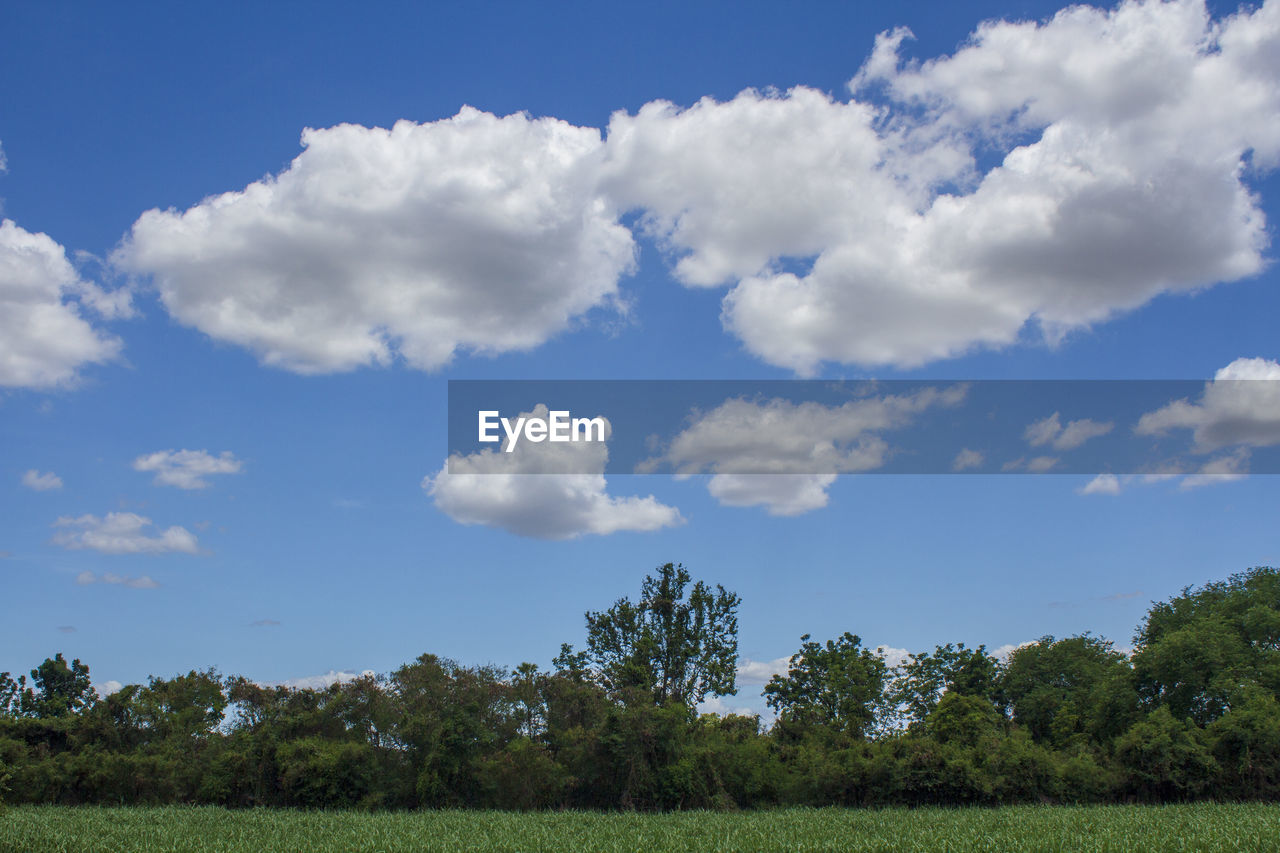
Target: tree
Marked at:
921, 681
838, 686
1199, 652
11, 694
668, 646
60, 689
1061, 690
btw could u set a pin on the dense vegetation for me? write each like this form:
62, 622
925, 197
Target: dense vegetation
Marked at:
1115, 829
1192, 713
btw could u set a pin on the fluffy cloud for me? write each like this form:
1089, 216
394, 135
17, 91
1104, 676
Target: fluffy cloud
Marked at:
760, 671
1103, 484
1236, 408
121, 533
1123, 137
967, 459
186, 469
106, 688
476, 232
44, 337
1051, 431
780, 494
45, 482
1003, 653
784, 455
535, 491
141, 582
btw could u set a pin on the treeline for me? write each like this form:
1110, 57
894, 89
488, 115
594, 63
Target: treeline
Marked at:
1192, 713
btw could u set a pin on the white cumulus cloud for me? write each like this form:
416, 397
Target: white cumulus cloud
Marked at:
187, 469
44, 336
106, 688
1103, 484
761, 671
1124, 139
45, 482
779, 494
122, 533
1239, 406
538, 490
476, 232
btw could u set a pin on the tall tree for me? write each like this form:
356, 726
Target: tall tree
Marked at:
671, 646
1063, 690
923, 679
60, 688
838, 686
1200, 652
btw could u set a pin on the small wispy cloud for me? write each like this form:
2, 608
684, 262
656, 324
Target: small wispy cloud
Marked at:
1050, 431
967, 459
187, 469
141, 582
45, 482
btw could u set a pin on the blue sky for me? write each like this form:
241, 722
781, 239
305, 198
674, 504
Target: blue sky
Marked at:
1086, 196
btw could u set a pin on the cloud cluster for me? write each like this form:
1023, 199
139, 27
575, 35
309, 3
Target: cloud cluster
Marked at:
44, 336
476, 232
534, 491
1240, 406
1050, 431
187, 469
1044, 177
1238, 410
784, 455
122, 533
1121, 139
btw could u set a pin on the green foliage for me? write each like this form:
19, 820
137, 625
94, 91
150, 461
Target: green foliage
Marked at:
613, 727
1246, 745
671, 647
921, 681
58, 689
963, 719
1165, 758
1200, 651
1073, 691
838, 686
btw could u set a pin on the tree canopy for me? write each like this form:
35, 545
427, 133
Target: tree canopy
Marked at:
676, 644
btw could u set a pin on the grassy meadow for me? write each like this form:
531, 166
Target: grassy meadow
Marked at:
172, 829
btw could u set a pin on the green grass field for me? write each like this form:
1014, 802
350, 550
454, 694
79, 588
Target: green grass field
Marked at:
44, 829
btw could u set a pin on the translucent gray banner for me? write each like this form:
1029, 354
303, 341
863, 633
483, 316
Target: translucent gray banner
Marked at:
1223, 427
